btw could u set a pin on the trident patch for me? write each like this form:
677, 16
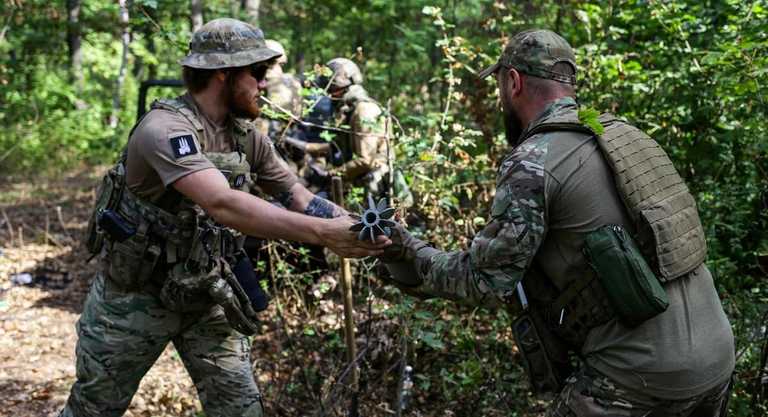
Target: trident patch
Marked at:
183, 145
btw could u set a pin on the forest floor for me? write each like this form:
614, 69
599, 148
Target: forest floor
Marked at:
298, 356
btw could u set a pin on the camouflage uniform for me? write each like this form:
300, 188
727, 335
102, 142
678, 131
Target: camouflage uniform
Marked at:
552, 190
365, 147
284, 90
132, 312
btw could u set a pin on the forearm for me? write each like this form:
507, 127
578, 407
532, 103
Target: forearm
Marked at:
301, 200
452, 275
256, 217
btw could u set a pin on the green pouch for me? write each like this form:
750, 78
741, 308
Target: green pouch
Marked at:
631, 287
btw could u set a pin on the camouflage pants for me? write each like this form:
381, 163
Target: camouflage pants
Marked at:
120, 336
590, 394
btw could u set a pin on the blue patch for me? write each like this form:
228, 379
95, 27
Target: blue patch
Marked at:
183, 145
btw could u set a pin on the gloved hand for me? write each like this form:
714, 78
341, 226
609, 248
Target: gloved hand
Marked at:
404, 246
407, 258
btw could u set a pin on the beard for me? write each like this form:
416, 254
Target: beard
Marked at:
241, 102
513, 127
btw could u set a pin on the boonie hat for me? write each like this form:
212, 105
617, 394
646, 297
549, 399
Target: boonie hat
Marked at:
227, 43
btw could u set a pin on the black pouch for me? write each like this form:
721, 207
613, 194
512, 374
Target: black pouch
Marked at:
632, 289
244, 272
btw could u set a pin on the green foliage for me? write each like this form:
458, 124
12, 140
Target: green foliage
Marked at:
588, 116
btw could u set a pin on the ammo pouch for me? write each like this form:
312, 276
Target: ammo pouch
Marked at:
631, 288
545, 358
131, 262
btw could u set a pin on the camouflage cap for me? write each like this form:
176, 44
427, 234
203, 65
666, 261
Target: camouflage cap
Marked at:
535, 52
226, 43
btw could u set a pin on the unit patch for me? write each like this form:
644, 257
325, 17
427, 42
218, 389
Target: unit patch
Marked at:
183, 145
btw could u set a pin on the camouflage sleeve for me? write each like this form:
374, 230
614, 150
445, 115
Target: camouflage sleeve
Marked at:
487, 274
369, 144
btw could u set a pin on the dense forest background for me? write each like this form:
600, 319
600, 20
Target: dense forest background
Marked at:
690, 73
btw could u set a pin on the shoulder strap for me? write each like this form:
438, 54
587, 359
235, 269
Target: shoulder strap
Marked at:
179, 106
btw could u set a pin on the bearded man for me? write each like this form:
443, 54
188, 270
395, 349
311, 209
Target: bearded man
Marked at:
169, 225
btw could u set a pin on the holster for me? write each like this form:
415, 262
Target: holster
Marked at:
545, 357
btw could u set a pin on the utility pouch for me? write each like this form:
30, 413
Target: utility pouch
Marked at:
186, 291
107, 198
632, 289
545, 359
132, 261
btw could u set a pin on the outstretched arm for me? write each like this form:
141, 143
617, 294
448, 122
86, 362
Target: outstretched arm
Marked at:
256, 217
487, 274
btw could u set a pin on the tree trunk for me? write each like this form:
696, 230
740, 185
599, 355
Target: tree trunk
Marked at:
196, 14
251, 8
126, 38
74, 40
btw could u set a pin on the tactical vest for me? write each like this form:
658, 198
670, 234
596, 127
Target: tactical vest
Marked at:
665, 221
663, 211
178, 246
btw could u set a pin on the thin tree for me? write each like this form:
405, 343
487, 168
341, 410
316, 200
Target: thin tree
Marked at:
126, 41
74, 41
251, 8
196, 13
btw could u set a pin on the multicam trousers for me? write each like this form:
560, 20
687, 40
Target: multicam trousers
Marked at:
121, 335
590, 394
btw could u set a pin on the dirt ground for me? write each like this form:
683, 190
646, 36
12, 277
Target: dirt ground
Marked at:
40, 229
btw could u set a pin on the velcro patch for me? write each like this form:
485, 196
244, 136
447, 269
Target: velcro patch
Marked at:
183, 145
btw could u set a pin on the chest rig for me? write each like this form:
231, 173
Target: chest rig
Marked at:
176, 247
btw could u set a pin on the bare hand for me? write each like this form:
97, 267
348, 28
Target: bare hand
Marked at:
338, 238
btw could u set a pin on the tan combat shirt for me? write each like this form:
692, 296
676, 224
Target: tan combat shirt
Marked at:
165, 147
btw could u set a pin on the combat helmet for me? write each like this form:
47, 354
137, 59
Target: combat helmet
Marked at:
276, 46
345, 73
227, 43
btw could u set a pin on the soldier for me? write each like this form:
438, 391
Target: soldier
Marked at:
574, 199
364, 149
171, 216
284, 90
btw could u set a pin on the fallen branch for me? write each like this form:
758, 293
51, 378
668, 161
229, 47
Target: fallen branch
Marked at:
9, 226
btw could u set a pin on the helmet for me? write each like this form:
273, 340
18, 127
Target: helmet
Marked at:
345, 72
226, 43
275, 46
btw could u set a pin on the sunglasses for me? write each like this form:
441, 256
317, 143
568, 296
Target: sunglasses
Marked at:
259, 71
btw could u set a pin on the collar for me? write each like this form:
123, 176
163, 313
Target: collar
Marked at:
555, 108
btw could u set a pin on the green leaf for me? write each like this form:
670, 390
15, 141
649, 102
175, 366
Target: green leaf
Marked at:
588, 117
